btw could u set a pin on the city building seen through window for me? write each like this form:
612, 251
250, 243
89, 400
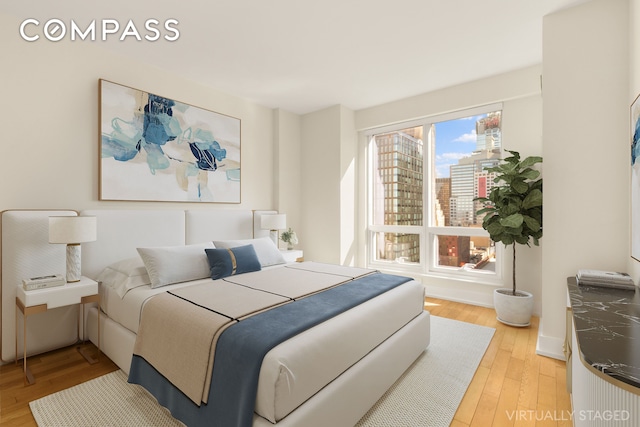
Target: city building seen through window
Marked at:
423, 180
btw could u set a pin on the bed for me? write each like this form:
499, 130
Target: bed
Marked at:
329, 374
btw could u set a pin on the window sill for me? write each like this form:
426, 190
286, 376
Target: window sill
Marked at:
458, 275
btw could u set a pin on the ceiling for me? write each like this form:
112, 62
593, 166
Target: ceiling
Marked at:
302, 56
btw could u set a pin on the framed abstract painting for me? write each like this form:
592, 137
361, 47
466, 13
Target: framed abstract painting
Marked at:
154, 148
635, 179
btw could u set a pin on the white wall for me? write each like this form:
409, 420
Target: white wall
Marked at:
329, 167
586, 152
49, 111
348, 187
321, 176
502, 87
287, 170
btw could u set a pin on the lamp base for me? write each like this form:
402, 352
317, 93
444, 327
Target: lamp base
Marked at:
274, 236
74, 262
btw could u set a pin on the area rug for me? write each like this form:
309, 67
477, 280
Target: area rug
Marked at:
427, 394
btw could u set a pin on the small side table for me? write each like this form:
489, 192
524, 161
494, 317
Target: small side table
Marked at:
294, 255
40, 300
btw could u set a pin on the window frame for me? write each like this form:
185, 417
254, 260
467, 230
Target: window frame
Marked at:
428, 234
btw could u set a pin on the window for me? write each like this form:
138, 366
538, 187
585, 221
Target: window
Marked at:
423, 178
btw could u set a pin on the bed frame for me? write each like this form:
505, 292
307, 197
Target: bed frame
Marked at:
120, 232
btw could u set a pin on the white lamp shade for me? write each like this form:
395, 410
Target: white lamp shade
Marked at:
72, 229
273, 221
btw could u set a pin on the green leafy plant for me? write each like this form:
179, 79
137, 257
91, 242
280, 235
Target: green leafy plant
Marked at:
513, 209
289, 237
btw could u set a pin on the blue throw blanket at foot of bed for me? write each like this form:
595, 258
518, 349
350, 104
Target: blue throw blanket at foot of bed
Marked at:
242, 347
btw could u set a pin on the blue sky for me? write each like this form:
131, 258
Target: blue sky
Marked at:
454, 139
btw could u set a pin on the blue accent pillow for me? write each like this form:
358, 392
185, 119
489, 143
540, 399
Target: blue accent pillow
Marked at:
226, 262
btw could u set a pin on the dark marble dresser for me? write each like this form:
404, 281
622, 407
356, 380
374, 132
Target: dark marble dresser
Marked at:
603, 355
607, 325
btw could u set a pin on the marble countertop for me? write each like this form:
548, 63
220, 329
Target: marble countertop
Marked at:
607, 323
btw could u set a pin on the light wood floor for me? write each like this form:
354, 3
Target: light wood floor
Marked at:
53, 371
512, 386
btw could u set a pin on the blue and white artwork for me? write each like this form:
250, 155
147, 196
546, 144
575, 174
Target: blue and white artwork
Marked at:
154, 148
635, 179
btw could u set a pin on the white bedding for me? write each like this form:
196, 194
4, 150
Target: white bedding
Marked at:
295, 370
126, 310
124, 306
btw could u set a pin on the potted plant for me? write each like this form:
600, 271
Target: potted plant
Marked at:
513, 215
290, 238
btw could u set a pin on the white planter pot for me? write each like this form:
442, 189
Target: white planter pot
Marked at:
513, 310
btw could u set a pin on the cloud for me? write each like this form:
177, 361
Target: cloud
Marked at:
467, 137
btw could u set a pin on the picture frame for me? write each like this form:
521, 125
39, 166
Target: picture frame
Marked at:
154, 148
635, 178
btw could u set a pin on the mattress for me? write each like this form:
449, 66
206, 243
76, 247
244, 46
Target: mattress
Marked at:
295, 370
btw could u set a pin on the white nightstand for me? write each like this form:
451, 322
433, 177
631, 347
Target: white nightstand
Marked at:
40, 300
294, 255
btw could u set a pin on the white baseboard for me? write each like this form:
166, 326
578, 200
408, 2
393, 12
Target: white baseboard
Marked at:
550, 346
482, 296
466, 297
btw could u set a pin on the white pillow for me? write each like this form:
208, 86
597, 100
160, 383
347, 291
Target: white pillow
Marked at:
124, 275
174, 264
267, 251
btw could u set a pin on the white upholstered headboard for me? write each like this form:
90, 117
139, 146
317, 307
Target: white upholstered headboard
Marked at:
120, 232
204, 226
27, 253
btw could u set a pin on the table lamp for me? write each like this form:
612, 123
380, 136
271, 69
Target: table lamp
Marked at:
72, 230
274, 223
